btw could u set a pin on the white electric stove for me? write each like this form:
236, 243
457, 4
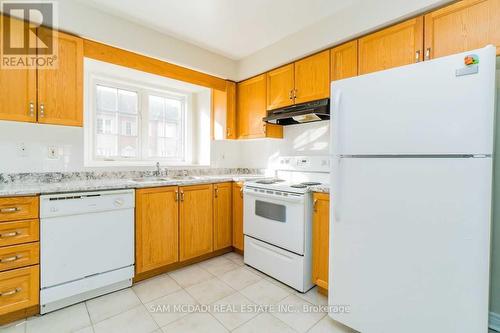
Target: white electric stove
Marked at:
277, 219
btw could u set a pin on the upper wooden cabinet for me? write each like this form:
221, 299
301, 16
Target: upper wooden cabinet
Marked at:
223, 231
196, 221
224, 112
280, 86
320, 239
344, 61
312, 78
238, 216
60, 90
251, 108
49, 96
462, 26
302, 81
156, 228
398, 45
18, 92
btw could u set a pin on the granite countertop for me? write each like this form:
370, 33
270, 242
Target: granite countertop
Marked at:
22, 188
323, 188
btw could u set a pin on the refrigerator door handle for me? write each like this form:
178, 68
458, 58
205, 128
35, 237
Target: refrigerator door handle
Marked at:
335, 112
336, 188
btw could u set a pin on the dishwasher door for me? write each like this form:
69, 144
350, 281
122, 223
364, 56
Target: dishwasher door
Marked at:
85, 234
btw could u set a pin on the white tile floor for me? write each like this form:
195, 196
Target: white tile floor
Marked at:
219, 282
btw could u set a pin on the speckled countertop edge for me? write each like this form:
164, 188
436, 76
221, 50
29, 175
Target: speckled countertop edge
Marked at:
24, 189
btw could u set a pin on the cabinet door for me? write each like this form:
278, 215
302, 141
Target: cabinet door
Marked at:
20, 289
18, 92
395, 46
156, 228
280, 85
462, 26
60, 90
223, 230
196, 224
312, 78
251, 108
320, 241
224, 112
238, 216
344, 61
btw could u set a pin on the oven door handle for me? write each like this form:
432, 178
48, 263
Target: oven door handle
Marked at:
289, 198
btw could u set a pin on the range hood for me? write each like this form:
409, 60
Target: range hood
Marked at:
300, 113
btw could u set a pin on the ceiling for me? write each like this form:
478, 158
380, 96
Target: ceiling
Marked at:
232, 28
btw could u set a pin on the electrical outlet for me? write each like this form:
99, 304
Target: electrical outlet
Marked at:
52, 153
22, 151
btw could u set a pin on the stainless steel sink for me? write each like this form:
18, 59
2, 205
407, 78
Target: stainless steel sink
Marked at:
185, 177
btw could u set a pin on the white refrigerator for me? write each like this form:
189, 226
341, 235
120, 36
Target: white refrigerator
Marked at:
411, 197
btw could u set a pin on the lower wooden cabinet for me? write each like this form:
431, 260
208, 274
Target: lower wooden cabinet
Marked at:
320, 239
19, 289
238, 216
156, 228
195, 224
223, 230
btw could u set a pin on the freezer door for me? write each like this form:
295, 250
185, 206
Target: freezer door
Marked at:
410, 243
423, 108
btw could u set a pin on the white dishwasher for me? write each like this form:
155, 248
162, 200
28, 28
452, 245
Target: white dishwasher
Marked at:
86, 246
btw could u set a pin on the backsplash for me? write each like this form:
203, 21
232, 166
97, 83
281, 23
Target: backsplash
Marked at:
59, 177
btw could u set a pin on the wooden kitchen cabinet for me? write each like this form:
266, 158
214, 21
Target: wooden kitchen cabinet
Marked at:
196, 221
156, 228
224, 112
462, 26
280, 86
299, 82
312, 78
60, 90
320, 239
238, 240
251, 108
20, 289
395, 46
223, 229
344, 61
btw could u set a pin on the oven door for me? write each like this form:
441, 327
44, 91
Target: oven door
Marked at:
275, 217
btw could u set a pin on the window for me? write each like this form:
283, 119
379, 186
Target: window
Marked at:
137, 123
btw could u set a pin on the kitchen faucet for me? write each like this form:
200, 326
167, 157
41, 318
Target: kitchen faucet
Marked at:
157, 173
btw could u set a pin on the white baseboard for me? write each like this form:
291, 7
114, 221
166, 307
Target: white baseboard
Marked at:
495, 321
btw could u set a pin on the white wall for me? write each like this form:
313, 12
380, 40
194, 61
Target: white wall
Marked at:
358, 19
95, 25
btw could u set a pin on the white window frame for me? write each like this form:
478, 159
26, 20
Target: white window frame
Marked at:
143, 90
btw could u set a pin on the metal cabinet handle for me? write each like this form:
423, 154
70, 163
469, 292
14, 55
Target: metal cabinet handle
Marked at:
10, 259
216, 192
10, 210
417, 56
32, 109
10, 293
176, 198
182, 195
228, 132
295, 93
428, 53
290, 95
315, 205
10, 234
241, 191
42, 110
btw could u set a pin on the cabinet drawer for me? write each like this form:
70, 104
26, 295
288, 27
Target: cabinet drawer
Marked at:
18, 208
19, 256
18, 232
19, 289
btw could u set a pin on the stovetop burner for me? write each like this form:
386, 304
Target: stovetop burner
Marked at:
310, 183
269, 181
